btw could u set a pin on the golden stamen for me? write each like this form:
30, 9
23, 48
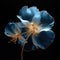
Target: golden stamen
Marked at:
33, 28
15, 37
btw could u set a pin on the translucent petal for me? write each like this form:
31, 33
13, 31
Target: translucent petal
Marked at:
22, 42
24, 22
25, 13
46, 19
44, 39
28, 45
24, 35
11, 29
36, 18
20, 25
34, 10
45, 28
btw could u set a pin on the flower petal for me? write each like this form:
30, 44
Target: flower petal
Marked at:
34, 10
20, 25
45, 28
46, 19
24, 22
36, 18
22, 42
25, 13
11, 29
44, 39
28, 45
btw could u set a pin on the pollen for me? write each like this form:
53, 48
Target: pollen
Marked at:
33, 28
15, 37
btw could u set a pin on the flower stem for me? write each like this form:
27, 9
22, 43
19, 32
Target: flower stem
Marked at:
22, 53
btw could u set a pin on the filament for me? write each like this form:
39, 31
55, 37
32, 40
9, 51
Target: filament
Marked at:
28, 36
23, 33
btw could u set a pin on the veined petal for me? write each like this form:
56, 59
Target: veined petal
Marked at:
46, 19
20, 25
45, 29
36, 18
25, 22
34, 10
44, 39
11, 29
25, 13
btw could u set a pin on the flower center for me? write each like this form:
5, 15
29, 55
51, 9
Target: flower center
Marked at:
16, 37
33, 28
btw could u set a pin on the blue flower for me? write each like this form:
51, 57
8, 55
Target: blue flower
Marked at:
13, 30
34, 30
38, 25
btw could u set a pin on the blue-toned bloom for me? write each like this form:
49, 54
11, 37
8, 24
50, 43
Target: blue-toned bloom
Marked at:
34, 30
13, 31
38, 25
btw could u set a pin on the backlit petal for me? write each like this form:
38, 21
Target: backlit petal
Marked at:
20, 25
36, 18
24, 22
11, 29
25, 13
28, 45
34, 10
46, 19
44, 39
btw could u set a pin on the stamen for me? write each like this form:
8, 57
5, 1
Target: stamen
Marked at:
15, 37
28, 36
33, 28
23, 33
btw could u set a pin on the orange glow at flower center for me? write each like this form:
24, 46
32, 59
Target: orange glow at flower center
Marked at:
33, 28
15, 37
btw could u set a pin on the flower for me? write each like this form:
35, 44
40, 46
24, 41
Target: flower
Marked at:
38, 25
13, 31
34, 29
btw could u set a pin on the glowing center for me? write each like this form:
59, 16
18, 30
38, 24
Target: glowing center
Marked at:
16, 37
33, 28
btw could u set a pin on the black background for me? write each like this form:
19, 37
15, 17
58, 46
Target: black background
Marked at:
9, 10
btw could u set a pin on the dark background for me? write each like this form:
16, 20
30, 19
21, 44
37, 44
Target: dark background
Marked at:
9, 10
